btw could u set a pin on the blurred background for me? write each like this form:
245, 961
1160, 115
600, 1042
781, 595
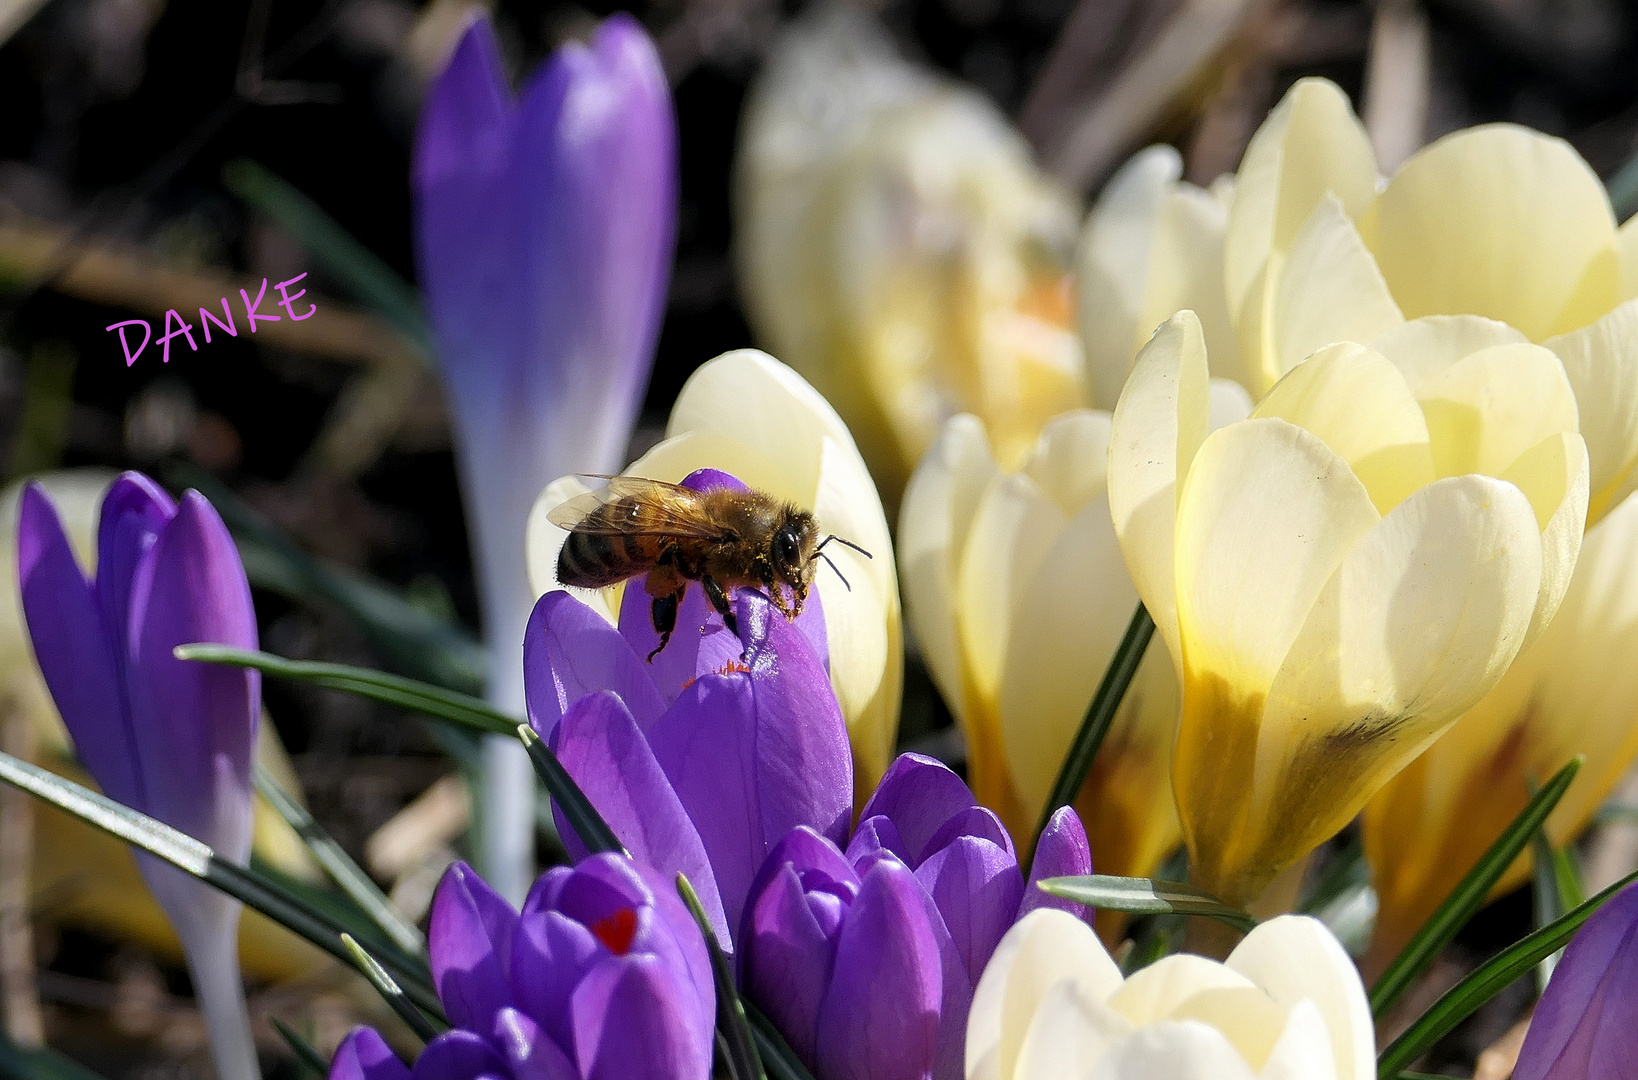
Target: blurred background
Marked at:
164, 153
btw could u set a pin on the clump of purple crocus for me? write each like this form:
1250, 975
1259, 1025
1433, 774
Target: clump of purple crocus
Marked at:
704, 758
169, 738
544, 234
1586, 1024
867, 960
603, 976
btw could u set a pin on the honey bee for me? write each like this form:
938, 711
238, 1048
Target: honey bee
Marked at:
721, 538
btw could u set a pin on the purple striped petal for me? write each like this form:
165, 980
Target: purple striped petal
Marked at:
469, 945
1062, 851
600, 746
363, 1055
877, 834
529, 1051
1586, 1024
919, 794
880, 1018
633, 1020
460, 1055
133, 513
976, 821
551, 953
976, 887
570, 651
196, 723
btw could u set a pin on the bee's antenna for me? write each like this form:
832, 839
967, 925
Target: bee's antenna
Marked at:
832, 565
844, 543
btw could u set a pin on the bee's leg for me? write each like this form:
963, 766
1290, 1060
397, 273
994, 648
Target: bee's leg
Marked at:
719, 600
663, 611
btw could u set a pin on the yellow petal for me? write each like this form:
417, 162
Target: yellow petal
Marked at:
1160, 422
543, 541
1177, 1050
938, 508
1358, 403
1424, 347
1294, 959
1311, 144
1303, 1051
1329, 290
1071, 458
1601, 362
1245, 1016
1498, 221
1626, 242
1156, 992
1068, 1034
1491, 406
1186, 271
1553, 476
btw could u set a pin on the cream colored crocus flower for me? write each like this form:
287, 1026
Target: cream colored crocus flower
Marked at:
898, 247
1286, 1005
1339, 577
749, 415
1152, 245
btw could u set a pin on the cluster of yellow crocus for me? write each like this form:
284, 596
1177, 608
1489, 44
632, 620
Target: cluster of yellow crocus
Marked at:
1341, 575
898, 247
1287, 1004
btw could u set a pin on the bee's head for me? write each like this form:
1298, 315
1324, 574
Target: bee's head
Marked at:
794, 540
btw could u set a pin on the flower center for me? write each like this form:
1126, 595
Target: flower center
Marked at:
616, 931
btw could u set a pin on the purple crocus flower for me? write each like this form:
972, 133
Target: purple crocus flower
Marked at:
704, 758
1586, 1024
944, 884
603, 976
169, 738
544, 231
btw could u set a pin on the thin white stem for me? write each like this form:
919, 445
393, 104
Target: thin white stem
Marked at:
212, 949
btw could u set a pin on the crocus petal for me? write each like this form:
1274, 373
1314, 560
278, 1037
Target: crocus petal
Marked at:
543, 542
1294, 959
1157, 991
570, 651
632, 1018
459, 1055
877, 834
469, 946
701, 644
1061, 851
1601, 362
133, 513
1499, 221
978, 822
786, 952
976, 886
1304, 1049
1491, 406
919, 794
198, 721
363, 1055
1068, 1034
531, 1054
1177, 1050
880, 1018
1553, 475
551, 953
1424, 347
1583, 1025
599, 744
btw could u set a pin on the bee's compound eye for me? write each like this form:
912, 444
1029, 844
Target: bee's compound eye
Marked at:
785, 547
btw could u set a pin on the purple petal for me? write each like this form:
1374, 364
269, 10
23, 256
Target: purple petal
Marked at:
134, 512
919, 794
600, 746
528, 1050
460, 1055
976, 887
1062, 851
363, 1055
877, 834
469, 943
634, 1020
786, 953
75, 651
196, 723
979, 822
1586, 1024
570, 651
880, 1018
700, 644
551, 953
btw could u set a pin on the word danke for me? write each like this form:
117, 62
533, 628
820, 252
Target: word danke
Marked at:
183, 329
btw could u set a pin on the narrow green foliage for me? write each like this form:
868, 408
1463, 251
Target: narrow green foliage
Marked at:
17, 1063
1555, 889
342, 869
1099, 715
583, 817
1468, 895
389, 990
1146, 896
1486, 981
781, 1061
310, 1060
733, 1029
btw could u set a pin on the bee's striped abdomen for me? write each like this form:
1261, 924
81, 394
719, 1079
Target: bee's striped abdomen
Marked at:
595, 556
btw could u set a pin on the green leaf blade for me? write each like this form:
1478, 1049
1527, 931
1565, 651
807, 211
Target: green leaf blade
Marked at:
733, 1029
1146, 896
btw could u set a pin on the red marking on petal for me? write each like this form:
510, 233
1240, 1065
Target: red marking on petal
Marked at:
616, 931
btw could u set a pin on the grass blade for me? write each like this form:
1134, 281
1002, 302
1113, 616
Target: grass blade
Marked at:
733, 1029
777, 1056
1468, 895
1146, 896
389, 990
450, 706
583, 817
1099, 715
1488, 980
182, 851
342, 869
1555, 889
310, 1060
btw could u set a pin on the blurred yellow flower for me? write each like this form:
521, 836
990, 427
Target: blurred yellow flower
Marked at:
898, 247
1342, 575
749, 415
1287, 1004
81, 876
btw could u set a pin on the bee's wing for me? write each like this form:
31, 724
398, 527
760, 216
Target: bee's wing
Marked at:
667, 510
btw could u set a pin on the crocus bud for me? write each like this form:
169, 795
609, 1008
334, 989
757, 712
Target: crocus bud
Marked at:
170, 738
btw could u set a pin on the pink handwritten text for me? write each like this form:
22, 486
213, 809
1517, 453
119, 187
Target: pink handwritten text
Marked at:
184, 330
